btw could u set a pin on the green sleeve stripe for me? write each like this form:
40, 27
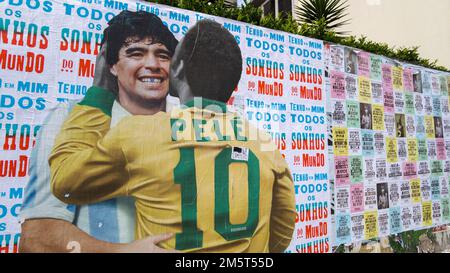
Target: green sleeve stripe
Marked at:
99, 98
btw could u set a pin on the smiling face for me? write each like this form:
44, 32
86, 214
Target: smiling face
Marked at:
142, 72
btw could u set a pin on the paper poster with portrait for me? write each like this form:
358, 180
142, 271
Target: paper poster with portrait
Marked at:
383, 223
438, 127
400, 125
395, 220
382, 196
350, 61
417, 80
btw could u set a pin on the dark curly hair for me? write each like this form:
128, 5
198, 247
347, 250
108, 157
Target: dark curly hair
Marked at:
140, 25
213, 60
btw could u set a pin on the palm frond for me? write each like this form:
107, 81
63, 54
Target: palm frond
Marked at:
333, 12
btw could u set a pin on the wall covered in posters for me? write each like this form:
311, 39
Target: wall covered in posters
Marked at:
389, 129
48, 51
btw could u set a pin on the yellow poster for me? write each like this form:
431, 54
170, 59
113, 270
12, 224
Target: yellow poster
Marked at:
371, 225
378, 117
415, 190
397, 78
365, 92
429, 126
412, 149
340, 141
391, 149
426, 214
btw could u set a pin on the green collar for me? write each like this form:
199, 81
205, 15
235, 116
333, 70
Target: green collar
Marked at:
203, 103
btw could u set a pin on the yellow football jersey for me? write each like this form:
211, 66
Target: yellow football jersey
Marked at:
201, 172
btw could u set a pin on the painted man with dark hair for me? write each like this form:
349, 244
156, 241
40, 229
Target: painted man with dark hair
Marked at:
131, 77
218, 183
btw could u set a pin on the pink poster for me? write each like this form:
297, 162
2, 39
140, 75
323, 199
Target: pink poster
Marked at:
342, 177
409, 170
357, 197
337, 85
408, 80
440, 149
388, 88
363, 64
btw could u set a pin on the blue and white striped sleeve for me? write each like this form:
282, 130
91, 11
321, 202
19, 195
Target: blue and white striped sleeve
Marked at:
39, 201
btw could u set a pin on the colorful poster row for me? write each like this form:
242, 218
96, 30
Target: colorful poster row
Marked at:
48, 51
389, 129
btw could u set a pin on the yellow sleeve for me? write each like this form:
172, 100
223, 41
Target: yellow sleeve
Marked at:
282, 222
87, 164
